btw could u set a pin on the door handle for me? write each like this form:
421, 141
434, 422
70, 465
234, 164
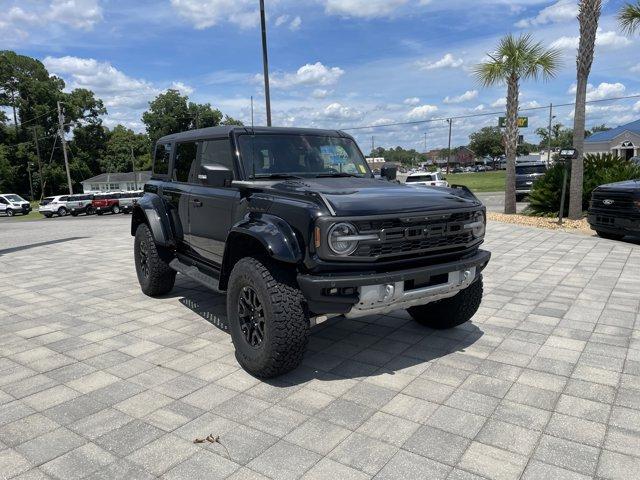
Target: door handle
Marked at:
197, 203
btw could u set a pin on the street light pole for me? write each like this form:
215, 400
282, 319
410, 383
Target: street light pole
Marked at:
265, 63
450, 121
64, 146
549, 134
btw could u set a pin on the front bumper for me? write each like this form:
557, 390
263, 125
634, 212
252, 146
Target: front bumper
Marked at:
613, 224
366, 294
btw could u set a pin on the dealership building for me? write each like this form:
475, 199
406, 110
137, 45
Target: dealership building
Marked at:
623, 141
116, 182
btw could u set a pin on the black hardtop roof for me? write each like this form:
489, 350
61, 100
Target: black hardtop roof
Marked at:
225, 130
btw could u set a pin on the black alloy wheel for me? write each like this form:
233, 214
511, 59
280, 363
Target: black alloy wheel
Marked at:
251, 316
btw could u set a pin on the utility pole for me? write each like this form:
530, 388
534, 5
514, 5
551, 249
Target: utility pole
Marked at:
30, 182
35, 139
265, 63
133, 168
373, 144
450, 121
425, 142
549, 134
64, 146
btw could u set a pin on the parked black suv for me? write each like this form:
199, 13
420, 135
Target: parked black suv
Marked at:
614, 210
527, 173
292, 224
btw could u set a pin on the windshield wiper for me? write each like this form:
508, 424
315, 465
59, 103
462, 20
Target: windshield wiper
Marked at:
275, 176
336, 174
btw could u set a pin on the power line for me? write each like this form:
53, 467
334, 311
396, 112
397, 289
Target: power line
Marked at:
20, 124
484, 114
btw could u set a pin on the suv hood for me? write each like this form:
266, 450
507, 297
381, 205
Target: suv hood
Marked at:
625, 186
367, 196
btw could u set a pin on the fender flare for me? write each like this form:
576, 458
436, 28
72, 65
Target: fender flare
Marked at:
151, 210
274, 234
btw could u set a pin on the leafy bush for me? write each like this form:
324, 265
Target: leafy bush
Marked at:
598, 170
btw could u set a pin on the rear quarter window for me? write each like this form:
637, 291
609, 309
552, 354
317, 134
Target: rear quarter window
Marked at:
161, 159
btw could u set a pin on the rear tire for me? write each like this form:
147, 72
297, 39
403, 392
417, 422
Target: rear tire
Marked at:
450, 312
610, 236
152, 264
271, 338
62, 212
115, 209
90, 211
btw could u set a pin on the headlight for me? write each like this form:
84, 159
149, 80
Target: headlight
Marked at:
477, 225
339, 241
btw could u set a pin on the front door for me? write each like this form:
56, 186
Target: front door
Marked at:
176, 193
211, 208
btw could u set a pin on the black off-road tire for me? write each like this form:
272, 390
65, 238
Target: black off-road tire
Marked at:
450, 312
610, 236
286, 318
154, 274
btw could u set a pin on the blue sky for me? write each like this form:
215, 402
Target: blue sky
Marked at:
334, 63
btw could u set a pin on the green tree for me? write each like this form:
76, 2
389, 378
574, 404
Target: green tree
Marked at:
122, 143
487, 142
561, 137
7, 171
629, 17
515, 59
588, 17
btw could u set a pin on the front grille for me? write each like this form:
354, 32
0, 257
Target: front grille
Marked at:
612, 201
440, 234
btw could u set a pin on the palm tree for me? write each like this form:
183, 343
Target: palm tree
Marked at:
588, 16
629, 17
515, 59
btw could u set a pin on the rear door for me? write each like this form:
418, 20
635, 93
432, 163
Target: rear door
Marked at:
3, 204
175, 192
211, 208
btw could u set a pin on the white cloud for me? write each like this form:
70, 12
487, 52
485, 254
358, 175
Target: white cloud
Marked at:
294, 24
116, 89
499, 103
311, 74
636, 107
602, 91
609, 39
562, 11
465, 97
421, 112
411, 101
448, 61
337, 111
635, 68
207, 13
77, 14
363, 8
82, 14
182, 88
321, 93
479, 108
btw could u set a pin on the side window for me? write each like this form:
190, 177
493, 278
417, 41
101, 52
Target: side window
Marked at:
63, 199
185, 158
3, 201
161, 159
217, 151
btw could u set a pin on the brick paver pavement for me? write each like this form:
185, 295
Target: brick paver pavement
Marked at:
98, 381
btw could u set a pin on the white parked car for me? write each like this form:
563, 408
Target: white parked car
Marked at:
10, 204
58, 205
426, 179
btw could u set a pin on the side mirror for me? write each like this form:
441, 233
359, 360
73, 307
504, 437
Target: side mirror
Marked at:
390, 172
215, 175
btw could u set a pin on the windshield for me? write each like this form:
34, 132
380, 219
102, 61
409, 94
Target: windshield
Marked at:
420, 178
278, 156
530, 169
14, 198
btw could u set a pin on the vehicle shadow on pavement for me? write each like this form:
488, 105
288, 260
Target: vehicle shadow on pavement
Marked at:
342, 348
39, 244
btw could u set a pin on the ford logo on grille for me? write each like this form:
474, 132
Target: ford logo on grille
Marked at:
608, 202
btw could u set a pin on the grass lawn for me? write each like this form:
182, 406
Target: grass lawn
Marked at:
479, 182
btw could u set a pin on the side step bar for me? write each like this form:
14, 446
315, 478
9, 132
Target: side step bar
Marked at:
194, 273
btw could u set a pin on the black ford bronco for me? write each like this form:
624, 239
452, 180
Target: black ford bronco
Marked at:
614, 210
294, 227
